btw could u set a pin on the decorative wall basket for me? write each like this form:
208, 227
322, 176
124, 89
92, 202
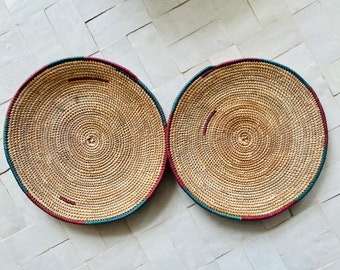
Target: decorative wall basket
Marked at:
247, 138
85, 140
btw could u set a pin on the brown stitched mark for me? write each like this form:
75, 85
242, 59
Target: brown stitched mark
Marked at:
67, 200
207, 122
88, 78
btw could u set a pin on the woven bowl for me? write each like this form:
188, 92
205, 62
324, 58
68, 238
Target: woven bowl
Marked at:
85, 140
247, 138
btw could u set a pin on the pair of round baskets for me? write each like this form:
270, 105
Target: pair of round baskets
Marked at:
88, 142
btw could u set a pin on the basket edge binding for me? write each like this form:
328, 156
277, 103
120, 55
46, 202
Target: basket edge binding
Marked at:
204, 72
125, 72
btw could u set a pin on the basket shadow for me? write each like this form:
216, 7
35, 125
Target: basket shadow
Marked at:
162, 205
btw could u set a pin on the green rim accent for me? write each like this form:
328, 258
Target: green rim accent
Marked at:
203, 205
9, 161
303, 194
155, 101
288, 69
94, 222
188, 84
61, 61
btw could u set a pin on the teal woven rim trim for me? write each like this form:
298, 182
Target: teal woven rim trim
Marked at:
124, 71
64, 60
154, 99
95, 222
210, 69
177, 99
9, 160
206, 207
288, 69
304, 193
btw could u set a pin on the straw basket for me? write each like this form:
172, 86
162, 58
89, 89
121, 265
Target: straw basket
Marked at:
247, 139
85, 140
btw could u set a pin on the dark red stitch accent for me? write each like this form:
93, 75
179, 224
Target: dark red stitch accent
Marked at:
174, 171
271, 214
41, 206
117, 66
67, 200
207, 122
323, 116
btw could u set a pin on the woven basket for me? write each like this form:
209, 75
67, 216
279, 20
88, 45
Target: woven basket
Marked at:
85, 140
247, 139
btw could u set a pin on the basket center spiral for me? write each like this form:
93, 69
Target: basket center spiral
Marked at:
92, 140
244, 138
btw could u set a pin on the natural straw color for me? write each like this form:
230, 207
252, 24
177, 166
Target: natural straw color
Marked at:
247, 139
85, 140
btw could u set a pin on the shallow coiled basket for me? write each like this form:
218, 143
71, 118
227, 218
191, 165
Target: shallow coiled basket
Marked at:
85, 140
247, 138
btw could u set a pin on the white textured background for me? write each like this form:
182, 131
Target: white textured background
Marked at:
165, 42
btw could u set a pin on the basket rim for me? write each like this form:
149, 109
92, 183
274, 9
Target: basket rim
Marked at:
204, 72
126, 72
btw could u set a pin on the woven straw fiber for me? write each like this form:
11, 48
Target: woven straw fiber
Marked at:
85, 140
247, 139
